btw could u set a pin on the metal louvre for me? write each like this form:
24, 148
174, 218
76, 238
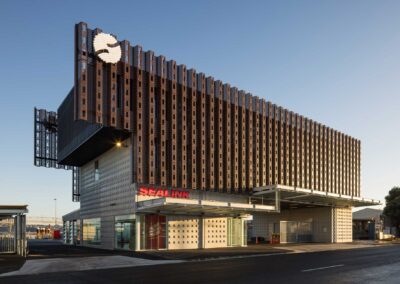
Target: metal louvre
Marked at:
75, 184
46, 146
45, 139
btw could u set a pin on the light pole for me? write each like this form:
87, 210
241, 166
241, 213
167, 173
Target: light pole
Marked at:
55, 212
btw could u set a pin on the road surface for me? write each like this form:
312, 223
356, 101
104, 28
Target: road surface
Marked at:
380, 264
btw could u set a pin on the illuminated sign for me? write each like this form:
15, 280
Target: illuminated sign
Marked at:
163, 192
107, 48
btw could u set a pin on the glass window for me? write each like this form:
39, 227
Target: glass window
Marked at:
125, 232
92, 231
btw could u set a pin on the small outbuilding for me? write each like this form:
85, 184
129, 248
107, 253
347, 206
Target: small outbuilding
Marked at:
12, 229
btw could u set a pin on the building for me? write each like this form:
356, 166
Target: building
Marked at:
12, 229
368, 223
164, 157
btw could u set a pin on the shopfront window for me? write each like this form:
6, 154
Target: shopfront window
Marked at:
92, 231
125, 232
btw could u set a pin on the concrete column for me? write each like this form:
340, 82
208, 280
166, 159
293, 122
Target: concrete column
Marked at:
137, 233
244, 232
201, 233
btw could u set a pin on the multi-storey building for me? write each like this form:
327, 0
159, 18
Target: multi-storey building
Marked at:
166, 157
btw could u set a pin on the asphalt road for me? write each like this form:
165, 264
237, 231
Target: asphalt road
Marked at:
379, 264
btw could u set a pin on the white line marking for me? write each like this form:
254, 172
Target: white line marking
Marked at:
321, 268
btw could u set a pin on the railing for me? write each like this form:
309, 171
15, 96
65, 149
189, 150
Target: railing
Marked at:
7, 244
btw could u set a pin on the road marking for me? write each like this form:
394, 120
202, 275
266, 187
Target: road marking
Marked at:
321, 268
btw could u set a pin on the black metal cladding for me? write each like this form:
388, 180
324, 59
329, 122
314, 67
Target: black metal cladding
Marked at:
46, 146
45, 139
75, 185
72, 133
81, 141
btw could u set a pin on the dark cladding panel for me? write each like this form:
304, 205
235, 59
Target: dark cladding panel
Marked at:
192, 88
220, 138
235, 136
270, 148
227, 153
140, 116
306, 153
173, 118
201, 88
249, 139
281, 151
126, 77
263, 141
257, 153
150, 84
287, 147
183, 95
312, 154
210, 120
98, 87
243, 145
275, 145
162, 114
292, 149
81, 71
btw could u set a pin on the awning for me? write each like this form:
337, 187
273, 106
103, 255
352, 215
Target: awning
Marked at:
12, 210
206, 207
298, 195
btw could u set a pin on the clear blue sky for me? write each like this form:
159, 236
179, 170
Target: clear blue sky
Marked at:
336, 62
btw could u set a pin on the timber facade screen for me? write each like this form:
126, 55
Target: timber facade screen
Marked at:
194, 132
165, 157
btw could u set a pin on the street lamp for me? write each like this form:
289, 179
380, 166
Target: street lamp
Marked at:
55, 212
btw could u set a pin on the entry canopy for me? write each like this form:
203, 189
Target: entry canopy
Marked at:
305, 196
206, 207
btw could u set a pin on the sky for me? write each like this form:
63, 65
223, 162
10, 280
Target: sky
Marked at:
336, 62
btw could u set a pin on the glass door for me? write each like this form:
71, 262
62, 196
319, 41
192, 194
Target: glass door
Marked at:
125, 232
235, 232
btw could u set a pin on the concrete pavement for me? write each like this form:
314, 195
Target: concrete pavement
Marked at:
49, 265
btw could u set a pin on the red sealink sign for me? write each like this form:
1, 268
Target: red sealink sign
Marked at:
163, 192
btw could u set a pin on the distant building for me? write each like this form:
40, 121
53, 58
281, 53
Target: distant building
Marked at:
367, 223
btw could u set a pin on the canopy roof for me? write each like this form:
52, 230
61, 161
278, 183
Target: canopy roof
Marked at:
305, 196
206, 207
11, 210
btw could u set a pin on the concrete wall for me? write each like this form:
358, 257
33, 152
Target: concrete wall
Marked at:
342, 225
112, 195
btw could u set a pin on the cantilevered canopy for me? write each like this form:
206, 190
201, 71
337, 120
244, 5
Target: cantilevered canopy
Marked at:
206, 207
12, 210
305, 196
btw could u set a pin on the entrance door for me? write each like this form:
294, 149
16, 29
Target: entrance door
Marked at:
125, 232
235, 232
154, 231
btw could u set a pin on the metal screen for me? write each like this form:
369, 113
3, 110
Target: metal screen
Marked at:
7, 235
46, 146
